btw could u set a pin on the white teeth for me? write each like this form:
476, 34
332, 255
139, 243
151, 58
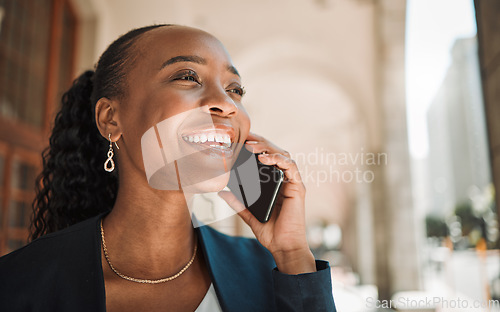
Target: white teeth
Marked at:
223, 139
219, 138
203, 138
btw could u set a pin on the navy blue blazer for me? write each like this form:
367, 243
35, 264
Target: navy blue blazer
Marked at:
62, 271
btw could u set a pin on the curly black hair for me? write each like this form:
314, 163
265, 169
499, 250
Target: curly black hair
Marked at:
73, 185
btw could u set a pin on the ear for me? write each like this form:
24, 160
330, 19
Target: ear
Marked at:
107, 119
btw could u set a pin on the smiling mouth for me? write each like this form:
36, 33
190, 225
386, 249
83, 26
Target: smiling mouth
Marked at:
211, 139
218, 141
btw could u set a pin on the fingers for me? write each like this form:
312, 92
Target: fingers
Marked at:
231, 200
278, 157
258, 144
287, 165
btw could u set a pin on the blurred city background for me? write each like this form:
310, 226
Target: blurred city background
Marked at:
390, 108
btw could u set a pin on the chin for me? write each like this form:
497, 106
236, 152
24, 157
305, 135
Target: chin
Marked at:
208, 186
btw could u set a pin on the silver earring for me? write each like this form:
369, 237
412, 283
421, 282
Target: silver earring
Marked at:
110, 156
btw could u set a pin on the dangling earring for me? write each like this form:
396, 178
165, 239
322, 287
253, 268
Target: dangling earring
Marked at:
110, 156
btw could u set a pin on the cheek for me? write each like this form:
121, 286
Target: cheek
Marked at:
244, 121
140, 113
156, 107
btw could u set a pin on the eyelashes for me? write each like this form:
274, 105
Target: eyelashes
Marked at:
237, 90
190, 76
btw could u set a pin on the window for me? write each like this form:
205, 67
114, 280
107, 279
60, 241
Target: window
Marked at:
37, 52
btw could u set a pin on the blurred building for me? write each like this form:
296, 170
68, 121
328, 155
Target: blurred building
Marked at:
458, 158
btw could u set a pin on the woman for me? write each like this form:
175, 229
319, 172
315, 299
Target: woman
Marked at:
104, 241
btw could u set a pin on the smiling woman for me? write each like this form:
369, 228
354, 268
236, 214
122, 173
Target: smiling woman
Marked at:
109, 239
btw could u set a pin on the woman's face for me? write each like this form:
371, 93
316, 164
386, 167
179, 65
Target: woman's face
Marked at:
183, 94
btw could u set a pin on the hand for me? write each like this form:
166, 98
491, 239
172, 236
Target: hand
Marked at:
284, 235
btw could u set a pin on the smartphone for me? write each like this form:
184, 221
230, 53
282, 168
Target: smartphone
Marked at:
255, 185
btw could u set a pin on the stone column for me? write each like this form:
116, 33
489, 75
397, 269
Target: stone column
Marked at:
488, 30
397, 265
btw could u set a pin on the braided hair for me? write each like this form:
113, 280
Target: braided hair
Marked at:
73, 185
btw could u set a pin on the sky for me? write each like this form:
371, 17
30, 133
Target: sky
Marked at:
432, 27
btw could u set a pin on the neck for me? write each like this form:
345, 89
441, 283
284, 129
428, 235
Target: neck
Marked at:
149, 233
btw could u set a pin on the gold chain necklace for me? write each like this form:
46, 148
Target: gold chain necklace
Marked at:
146, 281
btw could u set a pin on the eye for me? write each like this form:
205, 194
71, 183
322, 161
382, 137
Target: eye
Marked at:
237, 90
188, 75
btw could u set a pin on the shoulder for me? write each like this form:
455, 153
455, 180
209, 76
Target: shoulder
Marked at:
45, 255
63, 263
47, 244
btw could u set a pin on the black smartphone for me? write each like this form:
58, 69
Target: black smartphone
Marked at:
255, 185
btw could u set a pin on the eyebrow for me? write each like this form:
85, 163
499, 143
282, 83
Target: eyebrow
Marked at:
184, 58
194, 59
233, 70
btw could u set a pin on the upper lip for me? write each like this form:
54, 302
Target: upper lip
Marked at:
219, 128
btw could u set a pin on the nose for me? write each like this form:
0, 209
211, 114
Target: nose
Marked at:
218, 102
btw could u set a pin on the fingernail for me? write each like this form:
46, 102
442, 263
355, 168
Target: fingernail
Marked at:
251, 142
263, 155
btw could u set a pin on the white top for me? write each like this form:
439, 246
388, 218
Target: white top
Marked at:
210, 303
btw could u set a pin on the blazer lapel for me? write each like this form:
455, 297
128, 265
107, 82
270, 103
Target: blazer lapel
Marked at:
240, 269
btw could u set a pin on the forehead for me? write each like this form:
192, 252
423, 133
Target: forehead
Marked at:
162, 43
